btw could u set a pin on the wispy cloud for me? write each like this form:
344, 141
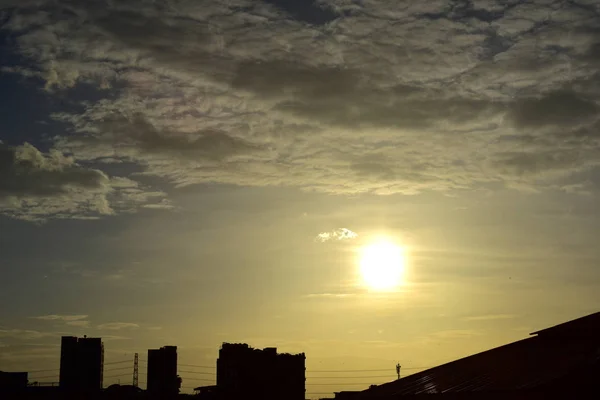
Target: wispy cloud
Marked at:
80, 324
154, 328
331, 295
338, 234
489, 317
114, 337
455, 334
56, 317
113, 326
25, 334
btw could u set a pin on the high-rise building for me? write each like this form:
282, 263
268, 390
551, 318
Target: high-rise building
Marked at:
162, 376
244, 372
81, 363
13, 380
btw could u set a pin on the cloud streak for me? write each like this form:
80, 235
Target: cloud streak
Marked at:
65, 318
25, 334
338, 234
490, 317
113, 326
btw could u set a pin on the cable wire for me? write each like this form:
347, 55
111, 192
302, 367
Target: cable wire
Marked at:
44, 377
197, 379
120, 368
118, 362
199, 372
365, 370
350, 377
342, 384
196, 366
44, 370
116, 376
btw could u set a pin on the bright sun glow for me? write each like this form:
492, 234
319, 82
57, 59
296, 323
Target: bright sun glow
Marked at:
382, 265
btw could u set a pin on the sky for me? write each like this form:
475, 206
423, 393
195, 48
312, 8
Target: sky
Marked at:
187, 172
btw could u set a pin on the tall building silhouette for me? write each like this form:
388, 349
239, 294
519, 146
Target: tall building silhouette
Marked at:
81, 363
13, 380
244, 372
162, 376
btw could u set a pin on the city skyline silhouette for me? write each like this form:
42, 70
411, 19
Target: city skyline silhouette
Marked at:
370, 183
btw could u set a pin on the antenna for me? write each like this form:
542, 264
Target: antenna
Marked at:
135, 370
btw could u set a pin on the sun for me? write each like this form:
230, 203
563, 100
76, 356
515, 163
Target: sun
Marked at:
382, 265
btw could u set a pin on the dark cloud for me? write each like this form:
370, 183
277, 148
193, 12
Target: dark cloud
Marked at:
540, 162
138, 132
25, 171
461, 10
280, 78
384, 109
209, 143
310, 11
36, 186
152, 32
344, 97
554, 109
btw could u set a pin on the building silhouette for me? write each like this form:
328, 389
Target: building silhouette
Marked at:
162, 379
81, 363
244, 372
560, 362
13, 380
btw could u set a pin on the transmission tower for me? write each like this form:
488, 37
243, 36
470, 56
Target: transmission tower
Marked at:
135, 370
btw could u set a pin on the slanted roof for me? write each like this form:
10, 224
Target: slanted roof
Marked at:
584, 326
525, 364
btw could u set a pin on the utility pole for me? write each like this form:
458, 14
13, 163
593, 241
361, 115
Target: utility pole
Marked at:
398, 370
135, 370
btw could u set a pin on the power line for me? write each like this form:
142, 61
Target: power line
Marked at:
196, 366
117, 369
198, 379
342, 384
363, 370
199, 372
116, 376
349, 377
44, 377
117, 362
350, 370
44, 370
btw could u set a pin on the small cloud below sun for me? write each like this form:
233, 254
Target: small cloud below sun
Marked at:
338, 234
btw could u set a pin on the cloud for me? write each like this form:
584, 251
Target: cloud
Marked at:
338, 234
66, 318
80, 324
555, 109
37, 186
309, 11
490, 317
331, 96
30, 353
331, 295
26, 172
455, 334
25, 334
117, 326
70, 320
